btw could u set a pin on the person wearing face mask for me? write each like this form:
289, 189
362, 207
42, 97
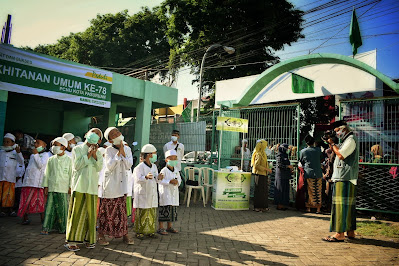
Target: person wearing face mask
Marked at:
33, 199
10, 158
145, 199
112, 216
282, 178
260, 171
169, 194
71, 143
174, 144
310, 158
56, 183
87, 162
344, 177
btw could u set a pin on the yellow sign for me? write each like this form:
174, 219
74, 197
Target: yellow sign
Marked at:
232, 124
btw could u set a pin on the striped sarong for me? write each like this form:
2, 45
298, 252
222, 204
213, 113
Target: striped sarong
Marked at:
112, 218
81, 224
315, 186
55, 216
343, 210
129, 206
145, 221
7, 194
32, 201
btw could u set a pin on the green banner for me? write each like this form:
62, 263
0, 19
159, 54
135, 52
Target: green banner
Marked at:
231, 190
31, 74
301, 84
232, 124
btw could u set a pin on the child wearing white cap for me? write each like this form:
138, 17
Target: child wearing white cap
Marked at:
57, 183
169, 193
71, 143
145, 199
10, 157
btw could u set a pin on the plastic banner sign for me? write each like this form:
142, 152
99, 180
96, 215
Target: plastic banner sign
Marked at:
30, 73
232, 124
231, 190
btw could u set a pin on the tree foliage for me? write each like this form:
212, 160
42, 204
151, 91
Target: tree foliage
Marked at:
114, 40
255, 28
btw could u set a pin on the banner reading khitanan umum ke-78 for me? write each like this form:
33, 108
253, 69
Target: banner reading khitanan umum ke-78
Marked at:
232, 124
34, 74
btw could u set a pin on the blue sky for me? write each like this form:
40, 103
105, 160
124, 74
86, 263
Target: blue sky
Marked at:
45, 21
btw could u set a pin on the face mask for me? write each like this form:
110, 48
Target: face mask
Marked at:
172, 163
7, 148
56, 150
153, 159
173, 138
39, 149
340, 133
118, 140
72, 145
268, 152
92, 138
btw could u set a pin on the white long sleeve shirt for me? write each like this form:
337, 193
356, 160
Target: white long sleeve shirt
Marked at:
115, 178
101, 177
169, 193
20, 173
145, 190
8, 165
130, 183
35, 171
180, 151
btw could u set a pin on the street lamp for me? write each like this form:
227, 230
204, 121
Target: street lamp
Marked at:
227, 49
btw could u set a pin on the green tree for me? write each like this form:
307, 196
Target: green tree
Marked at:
255, 28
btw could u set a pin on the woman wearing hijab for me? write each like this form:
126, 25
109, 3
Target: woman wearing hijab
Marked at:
260, 170
282, 178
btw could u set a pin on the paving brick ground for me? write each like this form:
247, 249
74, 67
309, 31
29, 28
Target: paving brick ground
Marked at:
207, 237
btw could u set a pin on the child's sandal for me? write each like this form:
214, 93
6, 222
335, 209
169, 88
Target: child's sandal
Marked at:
172, 230
162, 231
71, 247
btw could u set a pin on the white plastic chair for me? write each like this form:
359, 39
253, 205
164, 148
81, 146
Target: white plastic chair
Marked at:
189, 173
207, 177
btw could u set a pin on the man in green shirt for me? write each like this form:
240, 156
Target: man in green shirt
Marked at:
87, 163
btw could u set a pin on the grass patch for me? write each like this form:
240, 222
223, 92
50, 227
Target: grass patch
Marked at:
377, 228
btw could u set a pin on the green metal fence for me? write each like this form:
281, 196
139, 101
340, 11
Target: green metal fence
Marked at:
375, 122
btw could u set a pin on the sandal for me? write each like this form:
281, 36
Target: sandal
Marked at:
257, 210
162, 231
140, 236
102, 242
90, 246
172, 230
128, 241
13, 214
26, 222
332, 239
71, 247
45, 233
265, 210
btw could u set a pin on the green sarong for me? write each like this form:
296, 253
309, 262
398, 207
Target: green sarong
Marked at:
82, 218
145, 221
343, 210
55, 216
129, 205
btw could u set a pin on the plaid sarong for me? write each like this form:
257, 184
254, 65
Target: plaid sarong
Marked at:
343, 210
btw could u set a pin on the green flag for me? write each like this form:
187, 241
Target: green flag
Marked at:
186, 114
301, 84
354, 34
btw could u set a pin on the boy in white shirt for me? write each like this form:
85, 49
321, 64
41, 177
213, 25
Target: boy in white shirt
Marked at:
71, 143
169, 193
57, 183
112, 216
10, 157
145, 193
32, 193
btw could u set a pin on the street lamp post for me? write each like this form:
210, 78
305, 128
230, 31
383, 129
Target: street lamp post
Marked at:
229, 50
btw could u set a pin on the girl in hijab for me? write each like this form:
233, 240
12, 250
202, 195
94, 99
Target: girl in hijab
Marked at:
282, 178
260, 170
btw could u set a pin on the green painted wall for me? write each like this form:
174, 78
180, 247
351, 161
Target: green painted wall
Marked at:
76, 122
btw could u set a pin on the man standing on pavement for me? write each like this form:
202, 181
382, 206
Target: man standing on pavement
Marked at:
345, 175
112, 218
174, 144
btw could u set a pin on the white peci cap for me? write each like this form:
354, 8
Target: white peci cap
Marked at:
148, 148
61, 141
170, 153
68, 136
